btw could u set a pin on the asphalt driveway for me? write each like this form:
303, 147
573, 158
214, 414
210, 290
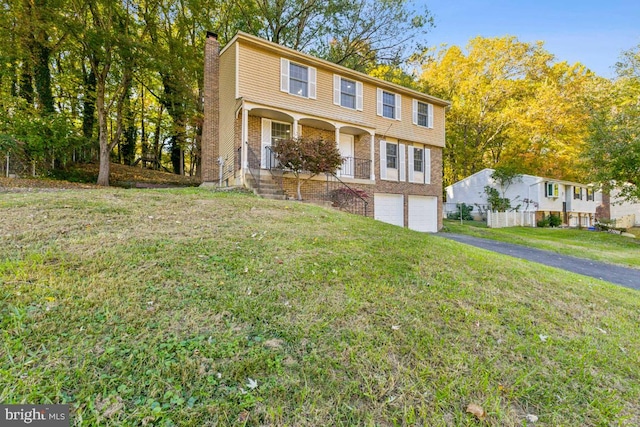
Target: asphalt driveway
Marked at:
629, 277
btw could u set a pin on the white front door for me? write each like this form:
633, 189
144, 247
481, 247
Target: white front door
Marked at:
346, 151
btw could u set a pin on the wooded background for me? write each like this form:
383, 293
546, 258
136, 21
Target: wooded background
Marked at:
90, 80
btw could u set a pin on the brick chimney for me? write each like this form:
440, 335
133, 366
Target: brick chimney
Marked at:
604, 210
211, 125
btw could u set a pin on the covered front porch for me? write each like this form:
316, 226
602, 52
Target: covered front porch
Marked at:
262, 127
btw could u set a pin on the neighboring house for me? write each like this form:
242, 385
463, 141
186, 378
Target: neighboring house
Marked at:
575, 203
626, 214
391, 138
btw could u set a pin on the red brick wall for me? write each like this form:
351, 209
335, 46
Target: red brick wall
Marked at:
210, 126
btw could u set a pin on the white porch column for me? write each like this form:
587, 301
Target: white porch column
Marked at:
373, 155
294, 131
245, 141
338, 146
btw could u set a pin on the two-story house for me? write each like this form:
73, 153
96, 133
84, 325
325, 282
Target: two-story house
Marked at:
575, 203
257, 92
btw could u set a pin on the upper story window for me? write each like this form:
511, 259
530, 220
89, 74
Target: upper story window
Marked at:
347, 93
392, 156
577, 193
389, 104
590, 194
422, 114
551, 189
297, 79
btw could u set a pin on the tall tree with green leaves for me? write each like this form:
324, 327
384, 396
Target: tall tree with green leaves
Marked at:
511, 105
613, 150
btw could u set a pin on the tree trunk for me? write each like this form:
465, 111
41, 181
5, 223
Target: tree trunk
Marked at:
105, 148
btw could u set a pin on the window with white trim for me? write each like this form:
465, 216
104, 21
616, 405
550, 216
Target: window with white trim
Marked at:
392, 156
551, 189
418, 159
577, 193
297, 79
422, 114
347, 93
389, 104
280, 131
590, 194
419, 164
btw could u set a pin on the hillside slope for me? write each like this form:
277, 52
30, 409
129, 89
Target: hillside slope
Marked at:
189, 307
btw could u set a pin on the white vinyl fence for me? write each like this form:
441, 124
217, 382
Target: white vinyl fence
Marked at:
511, 219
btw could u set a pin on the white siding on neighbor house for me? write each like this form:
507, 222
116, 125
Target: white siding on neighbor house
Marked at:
528, 188
548, 203
471, 190
620, 208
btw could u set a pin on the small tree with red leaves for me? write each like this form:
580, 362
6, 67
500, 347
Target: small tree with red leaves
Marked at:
311, 156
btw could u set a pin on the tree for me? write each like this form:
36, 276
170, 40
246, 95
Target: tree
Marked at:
613, 147
511, 105
504, 176
307, 155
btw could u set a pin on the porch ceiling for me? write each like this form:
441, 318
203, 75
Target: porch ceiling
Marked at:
350, 130
316, 123
271, 114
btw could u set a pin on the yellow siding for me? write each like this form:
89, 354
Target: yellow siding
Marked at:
227, 102
259, 82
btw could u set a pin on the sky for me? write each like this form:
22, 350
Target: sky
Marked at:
591, 32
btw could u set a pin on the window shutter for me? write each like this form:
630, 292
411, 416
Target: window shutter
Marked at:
430, 118
284, 75
379, 97
546, 189
312, 83
415, 111
359, 97
336, 89
398, 107
383, 160
403, 163
411, 153
426, 161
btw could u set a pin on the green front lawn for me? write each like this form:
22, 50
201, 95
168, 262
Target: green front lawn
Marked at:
600, 246
193, 308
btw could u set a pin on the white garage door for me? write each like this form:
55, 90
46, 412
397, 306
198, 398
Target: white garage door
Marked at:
423, 213
389, 208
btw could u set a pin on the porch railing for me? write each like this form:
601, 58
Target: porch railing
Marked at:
353, 167
254, 167
344, 197
336, 191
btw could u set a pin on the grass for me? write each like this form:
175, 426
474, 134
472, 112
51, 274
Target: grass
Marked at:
599, 246
189, 307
